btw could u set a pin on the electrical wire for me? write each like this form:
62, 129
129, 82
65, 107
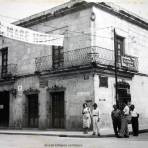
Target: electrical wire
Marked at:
88, 34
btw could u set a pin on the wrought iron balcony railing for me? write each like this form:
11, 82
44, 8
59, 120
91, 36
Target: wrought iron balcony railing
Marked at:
84, 56
8, 71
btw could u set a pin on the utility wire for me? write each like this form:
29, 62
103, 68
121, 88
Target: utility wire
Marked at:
88, 34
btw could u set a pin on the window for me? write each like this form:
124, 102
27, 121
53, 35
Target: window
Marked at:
119, 47
57, 56
103, 81
4, 52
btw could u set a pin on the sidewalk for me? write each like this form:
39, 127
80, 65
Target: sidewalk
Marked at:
108, 132
59, 133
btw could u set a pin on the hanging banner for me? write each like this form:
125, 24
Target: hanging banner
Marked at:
29, 36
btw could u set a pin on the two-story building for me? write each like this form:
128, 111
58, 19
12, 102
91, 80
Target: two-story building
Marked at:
45, 86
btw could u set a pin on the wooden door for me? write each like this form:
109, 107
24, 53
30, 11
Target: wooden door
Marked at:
33, 110
58, 110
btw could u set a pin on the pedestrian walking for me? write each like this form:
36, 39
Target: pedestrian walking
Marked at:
96, 119
134, 120
115, 115
86, 115
124, 132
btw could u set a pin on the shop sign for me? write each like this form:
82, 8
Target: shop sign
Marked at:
127, 61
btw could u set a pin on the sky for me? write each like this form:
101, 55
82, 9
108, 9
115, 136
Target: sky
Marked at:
13, 10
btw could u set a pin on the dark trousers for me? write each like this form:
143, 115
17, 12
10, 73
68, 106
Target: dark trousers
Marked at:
135, 126
116, 126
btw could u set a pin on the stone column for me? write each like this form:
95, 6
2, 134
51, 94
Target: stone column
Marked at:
18, 110
11, 112
43, 110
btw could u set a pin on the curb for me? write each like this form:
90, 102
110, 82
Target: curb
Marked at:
59, 135
66, 135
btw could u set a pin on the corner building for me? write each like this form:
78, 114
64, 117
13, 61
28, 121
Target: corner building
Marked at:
45, 86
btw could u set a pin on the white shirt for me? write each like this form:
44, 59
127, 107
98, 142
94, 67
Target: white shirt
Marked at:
126, 110
134, 113
95, 112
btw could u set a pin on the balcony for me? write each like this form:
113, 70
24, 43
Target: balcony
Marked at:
8, 71
83, 57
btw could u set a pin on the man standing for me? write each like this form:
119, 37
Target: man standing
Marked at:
115, 115
134, 120
96, 119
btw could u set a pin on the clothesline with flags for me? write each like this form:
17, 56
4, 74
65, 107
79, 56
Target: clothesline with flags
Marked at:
27, 35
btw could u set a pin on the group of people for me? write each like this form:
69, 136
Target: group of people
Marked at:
122, 115
88, 115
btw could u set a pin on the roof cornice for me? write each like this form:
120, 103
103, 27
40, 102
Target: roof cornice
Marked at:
36, 19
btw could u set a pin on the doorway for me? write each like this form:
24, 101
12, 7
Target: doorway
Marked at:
4, 109
33, 111
58, 109
123, 92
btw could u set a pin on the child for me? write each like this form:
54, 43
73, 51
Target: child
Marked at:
134, 121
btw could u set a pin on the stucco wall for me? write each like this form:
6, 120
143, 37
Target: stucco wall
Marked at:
24, 54
105, 98
72, 26
77, 91
18, 103
139, 92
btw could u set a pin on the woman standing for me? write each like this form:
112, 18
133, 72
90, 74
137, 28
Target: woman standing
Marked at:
86, 118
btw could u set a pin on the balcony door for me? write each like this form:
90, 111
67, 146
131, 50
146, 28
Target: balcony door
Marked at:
4, 62
120, 48
57, 56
